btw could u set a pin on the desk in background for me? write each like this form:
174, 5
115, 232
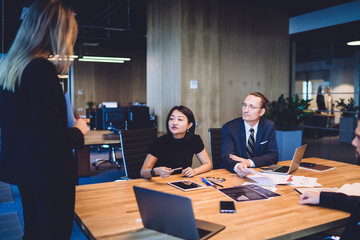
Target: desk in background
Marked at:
95, 137
109, 210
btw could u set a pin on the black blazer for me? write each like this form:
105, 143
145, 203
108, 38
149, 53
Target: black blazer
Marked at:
234, 142
36, 144
345, 203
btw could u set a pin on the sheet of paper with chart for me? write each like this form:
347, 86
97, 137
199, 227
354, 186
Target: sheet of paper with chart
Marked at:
348, 189
267, 179
248, 193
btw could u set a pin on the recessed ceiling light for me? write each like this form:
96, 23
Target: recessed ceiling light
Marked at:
57, 58
107, 58
100, 60
91, 44
354, 43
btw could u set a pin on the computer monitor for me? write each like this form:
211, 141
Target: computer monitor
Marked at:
139, 117
115, 117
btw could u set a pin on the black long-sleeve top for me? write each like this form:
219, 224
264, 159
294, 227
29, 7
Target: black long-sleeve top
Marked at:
36, 143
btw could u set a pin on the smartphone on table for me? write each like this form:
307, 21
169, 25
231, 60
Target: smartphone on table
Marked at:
227, 207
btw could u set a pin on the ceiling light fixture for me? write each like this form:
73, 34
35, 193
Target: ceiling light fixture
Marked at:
57, 58
63, 76
104, 59
91, 44
354, 43
100, 60
107, 58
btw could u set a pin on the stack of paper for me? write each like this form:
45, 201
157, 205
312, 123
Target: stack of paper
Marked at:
301, 181
350, 189
269, 179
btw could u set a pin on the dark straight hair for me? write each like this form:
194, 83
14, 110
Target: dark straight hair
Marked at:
191, 119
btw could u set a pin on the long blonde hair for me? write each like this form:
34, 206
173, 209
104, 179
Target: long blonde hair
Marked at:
49, 28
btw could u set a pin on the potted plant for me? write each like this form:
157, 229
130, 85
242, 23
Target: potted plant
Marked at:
90, 104
287, 114
347, 119
348, 109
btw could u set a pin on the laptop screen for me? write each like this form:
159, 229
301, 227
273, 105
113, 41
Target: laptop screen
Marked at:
166, 213
172, 214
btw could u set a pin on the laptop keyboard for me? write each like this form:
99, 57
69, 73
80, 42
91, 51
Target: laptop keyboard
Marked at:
202, 232
283, 169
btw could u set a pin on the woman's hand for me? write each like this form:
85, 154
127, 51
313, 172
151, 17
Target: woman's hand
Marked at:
163, 172
189, 172
310, 198
82, 126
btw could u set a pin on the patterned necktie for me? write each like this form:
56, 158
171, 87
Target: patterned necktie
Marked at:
250, 144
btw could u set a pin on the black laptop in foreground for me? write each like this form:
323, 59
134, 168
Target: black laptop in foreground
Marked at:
172, 214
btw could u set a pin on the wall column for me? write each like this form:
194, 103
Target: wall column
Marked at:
230, 47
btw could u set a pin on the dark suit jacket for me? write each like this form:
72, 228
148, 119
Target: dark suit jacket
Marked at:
234, 142
36, 144
345, 203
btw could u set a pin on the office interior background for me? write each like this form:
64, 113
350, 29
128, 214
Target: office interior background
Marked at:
209, 54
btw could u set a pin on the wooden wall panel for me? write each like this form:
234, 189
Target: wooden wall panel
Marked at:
200, 61
110, 82
230, 47
163, 58
254, 54
154, 59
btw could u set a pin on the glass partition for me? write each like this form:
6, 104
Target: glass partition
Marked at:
333, 87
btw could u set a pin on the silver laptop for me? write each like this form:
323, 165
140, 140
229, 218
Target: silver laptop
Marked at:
172, 214
294, 165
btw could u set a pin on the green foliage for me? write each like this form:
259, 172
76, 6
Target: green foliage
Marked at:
90, 104
347, 108
287, 113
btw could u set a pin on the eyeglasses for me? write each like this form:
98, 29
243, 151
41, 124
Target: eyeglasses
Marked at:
251, 107
216, 179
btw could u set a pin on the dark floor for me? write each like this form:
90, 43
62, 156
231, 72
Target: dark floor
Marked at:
11, 210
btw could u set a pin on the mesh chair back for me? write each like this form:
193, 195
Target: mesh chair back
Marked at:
134, 147
215, 147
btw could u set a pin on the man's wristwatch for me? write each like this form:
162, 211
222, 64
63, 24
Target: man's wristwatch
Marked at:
152, 172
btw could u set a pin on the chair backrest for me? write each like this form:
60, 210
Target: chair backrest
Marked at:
134, 147
215, 147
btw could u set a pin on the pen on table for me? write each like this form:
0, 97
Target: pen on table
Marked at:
208, 183
297, 191
211, 181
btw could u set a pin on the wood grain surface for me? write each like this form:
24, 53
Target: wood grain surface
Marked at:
109, 210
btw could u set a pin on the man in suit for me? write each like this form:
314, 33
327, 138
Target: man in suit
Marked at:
249, 141
340, 201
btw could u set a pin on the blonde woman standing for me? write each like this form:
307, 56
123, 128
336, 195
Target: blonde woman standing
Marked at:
36, 143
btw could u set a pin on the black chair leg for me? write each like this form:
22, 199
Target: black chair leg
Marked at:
111, 159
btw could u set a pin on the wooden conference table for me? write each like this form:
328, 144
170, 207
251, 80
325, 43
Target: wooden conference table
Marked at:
109, 210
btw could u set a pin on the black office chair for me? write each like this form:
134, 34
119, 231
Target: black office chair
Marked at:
215, 147
112, 152
134, 147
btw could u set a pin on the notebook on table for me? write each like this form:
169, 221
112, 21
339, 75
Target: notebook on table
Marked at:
294, 165
172, 214
315, 167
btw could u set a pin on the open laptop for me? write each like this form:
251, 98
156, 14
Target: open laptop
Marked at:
294, 165
172, 214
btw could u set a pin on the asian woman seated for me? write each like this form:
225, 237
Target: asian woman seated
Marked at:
176, 149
